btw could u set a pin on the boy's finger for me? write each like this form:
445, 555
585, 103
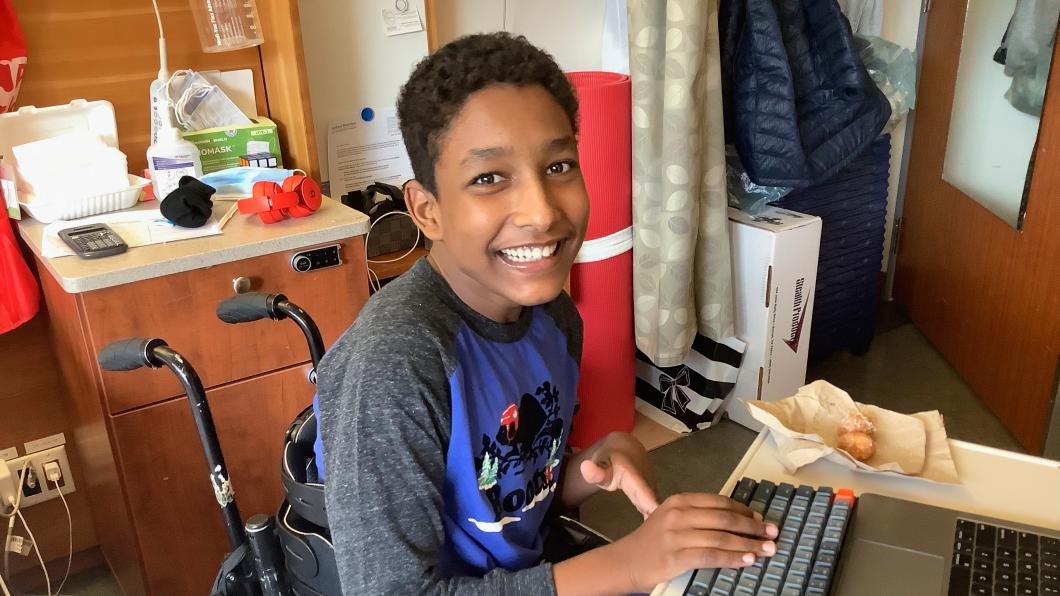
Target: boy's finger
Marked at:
727, 521
595, 473
712, 501
721, 540
640, 493
712, 558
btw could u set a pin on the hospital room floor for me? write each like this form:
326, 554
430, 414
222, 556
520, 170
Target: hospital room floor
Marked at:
704, 460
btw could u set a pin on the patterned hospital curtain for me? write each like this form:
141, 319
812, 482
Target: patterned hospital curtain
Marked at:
682, 271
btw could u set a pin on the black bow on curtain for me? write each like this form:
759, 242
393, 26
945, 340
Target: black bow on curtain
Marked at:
674, 398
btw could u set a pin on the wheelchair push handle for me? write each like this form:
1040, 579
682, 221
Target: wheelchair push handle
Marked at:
252, 306
130, 354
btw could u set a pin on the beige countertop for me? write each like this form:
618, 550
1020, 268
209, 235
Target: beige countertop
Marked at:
244, 237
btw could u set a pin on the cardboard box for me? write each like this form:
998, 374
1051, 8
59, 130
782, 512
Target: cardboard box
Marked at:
221, 148
774, 278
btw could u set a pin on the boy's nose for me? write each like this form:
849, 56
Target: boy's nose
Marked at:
536, 206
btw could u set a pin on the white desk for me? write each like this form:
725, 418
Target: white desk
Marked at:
994, 483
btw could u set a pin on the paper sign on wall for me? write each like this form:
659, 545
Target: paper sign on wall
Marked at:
399, 22
365, 149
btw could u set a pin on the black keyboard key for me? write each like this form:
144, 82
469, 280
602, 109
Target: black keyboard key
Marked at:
697, 590
984, 554
982, 590
1050, 542
1004, 589
1028, 541
1027, 589
963, 561
1007, 538
1050, 575
984, 566
978, 577
703, 577
785, 491
743, 491
985, 535
1028, 555
1027, 567
1049, 588
1004, 552
762, 495
960, 581
1006, 565
1027, 578
1005, 577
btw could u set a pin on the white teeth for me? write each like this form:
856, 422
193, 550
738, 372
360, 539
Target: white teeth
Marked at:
526, 254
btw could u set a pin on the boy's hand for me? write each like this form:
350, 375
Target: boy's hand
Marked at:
693, 531
620, 462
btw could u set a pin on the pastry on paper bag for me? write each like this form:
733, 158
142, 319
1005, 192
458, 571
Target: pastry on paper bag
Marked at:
806, 428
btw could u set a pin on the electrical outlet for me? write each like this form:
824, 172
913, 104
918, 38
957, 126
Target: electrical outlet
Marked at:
41, 489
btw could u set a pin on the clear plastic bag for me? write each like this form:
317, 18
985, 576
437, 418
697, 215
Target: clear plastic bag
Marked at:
744, 194
198, 104
893, 69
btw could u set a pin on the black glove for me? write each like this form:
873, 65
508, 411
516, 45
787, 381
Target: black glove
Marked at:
189, 205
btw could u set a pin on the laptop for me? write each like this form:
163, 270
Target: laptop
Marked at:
835, 542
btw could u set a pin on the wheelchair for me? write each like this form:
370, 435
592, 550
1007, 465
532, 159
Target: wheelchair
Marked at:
291, 553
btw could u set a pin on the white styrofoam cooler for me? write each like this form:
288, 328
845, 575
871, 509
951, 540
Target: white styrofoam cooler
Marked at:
30, 123
774, 258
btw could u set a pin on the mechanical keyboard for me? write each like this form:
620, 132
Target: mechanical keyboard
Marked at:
812, 524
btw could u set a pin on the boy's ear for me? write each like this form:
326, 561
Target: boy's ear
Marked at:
423, 208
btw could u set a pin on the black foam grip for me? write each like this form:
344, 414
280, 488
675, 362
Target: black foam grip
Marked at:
244, 308
125, 354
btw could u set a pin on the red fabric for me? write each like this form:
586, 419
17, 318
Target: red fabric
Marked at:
12, 56
603, 290
19, 298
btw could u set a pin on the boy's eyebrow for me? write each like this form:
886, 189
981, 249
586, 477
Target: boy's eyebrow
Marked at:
561, 143
486, 153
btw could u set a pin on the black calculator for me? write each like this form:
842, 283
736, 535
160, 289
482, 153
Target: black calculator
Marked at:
93, 241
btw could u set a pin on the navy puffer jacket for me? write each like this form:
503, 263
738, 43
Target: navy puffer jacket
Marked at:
799, 104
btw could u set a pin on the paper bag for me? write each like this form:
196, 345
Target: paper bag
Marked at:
804, 428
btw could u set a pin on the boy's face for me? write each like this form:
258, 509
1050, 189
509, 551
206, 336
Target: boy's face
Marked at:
511, 208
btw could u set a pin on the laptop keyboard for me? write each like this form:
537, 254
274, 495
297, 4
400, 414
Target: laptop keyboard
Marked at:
994, 560
812, 523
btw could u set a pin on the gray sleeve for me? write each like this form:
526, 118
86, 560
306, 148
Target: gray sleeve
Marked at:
384, 415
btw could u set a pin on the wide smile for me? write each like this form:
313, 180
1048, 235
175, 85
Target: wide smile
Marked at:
532, 257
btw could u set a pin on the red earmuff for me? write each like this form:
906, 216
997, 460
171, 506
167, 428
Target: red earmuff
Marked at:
299, 196
269, 201
308, 193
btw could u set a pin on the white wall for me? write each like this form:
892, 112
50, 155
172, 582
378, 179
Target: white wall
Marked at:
350, 62
990, 142
901, 20
569, 30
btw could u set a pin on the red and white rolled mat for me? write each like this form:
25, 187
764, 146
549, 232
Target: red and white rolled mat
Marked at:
602, 276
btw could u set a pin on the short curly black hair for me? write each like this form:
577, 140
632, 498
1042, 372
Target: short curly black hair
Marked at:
442, 82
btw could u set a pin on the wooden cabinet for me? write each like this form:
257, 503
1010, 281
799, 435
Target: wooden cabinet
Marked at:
175, 515
153, 507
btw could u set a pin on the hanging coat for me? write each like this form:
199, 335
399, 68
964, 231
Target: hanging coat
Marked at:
799, 104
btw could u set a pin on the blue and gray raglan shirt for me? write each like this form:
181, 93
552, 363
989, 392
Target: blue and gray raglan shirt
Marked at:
443, 438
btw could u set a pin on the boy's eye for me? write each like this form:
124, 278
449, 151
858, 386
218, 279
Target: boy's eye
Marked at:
486, 179
561, 167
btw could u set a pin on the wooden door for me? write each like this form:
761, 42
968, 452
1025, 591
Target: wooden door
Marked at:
177, 520
987, 295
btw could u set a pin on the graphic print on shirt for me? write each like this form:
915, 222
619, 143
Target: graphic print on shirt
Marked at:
526, 446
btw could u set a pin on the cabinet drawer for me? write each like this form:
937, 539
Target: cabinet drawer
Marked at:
180, 309
176, 517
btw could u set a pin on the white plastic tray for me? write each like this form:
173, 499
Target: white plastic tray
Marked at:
77, 207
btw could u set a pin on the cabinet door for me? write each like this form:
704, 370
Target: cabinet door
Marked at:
175, 515
179, 308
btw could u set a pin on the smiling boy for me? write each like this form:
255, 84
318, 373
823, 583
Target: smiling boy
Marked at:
445, 409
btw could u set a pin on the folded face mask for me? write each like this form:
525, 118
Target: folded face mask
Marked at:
240, 180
